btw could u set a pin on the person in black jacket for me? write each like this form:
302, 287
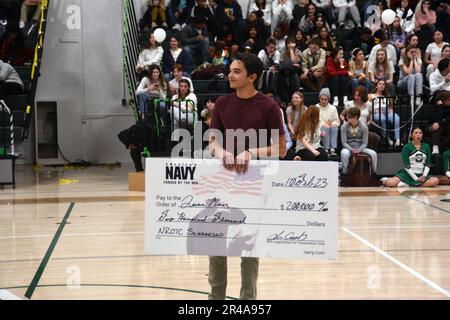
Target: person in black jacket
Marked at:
135, 139
10, 13
175, 55
253, 41
443, 19
286, 82
364, 40
195, 39
178, 12
229, 12
439, 122
254, 20
298, 12
202, 8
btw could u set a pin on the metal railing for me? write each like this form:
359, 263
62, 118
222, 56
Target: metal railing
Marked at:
5, 111
403, 106
38, 50
130, 46
164, 116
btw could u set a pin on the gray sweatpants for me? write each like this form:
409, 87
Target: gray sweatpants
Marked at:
342, 13
413, 82
346, 154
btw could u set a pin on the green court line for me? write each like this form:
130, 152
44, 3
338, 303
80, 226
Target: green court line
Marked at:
120, 285
37, 276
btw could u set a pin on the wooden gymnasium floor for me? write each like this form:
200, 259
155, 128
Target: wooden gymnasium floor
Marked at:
392, 245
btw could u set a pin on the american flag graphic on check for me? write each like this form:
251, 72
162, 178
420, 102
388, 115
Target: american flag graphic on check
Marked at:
231, 182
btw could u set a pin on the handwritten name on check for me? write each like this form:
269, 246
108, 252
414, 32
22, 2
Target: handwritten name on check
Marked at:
278, 209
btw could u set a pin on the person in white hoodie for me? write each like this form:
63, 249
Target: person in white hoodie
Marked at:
407, 17
184, 107
281, 12
344, 7
329, 122
10, 82
440, 78
152, 54
153, 86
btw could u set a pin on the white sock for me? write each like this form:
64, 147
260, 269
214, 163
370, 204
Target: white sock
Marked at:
401, 184
448, 174
383, 180
391, 143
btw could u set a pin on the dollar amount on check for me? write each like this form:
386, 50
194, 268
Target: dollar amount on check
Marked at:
278, 209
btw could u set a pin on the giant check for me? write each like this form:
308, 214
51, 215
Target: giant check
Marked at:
278, 209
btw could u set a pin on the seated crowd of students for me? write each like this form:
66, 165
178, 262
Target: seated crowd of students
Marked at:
341, 50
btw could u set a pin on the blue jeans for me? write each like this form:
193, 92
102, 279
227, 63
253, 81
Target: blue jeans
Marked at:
200, 49
143, 98
174, 20
287, 136
355, 82
381, 120
413, 82
330, 139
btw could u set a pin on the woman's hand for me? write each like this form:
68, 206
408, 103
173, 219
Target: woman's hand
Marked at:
153, 87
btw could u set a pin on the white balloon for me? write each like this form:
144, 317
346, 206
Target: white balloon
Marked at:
388, 16
160, 34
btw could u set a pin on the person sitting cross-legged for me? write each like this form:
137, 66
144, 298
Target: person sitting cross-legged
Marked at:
416, 157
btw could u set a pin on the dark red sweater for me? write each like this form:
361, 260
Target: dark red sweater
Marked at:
334, 69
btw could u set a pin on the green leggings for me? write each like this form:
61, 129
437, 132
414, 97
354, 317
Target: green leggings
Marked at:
445, 158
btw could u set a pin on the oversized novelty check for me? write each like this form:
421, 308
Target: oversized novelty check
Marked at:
278, 209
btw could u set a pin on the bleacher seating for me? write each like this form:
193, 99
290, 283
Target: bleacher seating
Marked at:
18, 103
205, 89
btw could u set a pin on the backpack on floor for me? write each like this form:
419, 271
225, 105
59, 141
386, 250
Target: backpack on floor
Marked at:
360, 172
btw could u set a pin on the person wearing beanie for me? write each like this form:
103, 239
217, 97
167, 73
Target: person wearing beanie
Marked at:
329, 122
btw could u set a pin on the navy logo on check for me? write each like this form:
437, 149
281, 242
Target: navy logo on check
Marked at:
183, 172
